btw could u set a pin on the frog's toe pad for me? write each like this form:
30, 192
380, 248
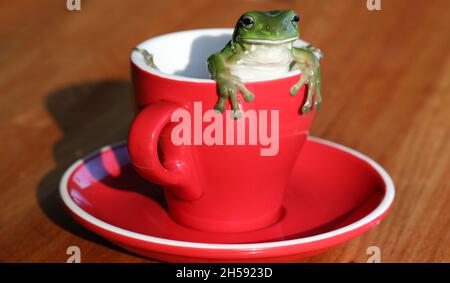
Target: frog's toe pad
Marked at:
317, 105
249, 98
236, 114
306, 109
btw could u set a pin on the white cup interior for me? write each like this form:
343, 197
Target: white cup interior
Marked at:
183, 55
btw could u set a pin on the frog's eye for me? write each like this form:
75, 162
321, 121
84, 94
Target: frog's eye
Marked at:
247, 22
295, 19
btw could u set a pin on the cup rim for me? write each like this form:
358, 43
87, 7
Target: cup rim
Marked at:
138, 62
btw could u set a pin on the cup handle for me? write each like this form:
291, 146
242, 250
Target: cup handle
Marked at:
143, 140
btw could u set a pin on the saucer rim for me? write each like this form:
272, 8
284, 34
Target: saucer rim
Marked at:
375, 214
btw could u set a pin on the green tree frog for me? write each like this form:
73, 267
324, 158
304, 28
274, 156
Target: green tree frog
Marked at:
261, 46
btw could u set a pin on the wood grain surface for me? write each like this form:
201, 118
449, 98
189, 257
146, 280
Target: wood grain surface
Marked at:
65, 91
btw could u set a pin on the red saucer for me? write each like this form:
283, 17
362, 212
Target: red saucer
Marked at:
338, 196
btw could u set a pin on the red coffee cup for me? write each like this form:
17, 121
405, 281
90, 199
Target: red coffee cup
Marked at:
231, 186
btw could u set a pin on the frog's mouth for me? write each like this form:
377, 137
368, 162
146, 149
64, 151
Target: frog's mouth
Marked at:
268, 41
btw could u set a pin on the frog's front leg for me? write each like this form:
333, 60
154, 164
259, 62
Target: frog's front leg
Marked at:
308, 63
228, 85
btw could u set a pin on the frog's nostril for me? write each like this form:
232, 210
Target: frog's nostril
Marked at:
267, 27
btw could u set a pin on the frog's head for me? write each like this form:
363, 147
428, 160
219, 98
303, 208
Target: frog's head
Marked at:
272, 27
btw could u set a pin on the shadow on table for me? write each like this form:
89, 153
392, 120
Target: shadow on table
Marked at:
90, 115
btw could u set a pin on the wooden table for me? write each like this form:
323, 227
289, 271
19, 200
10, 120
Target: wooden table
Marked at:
65, 91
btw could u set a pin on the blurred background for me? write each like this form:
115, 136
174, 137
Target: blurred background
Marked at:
65, 91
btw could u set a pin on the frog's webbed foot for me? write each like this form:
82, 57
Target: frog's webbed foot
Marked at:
314, 85
307, 60
228, 86
312, 78
307, 106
